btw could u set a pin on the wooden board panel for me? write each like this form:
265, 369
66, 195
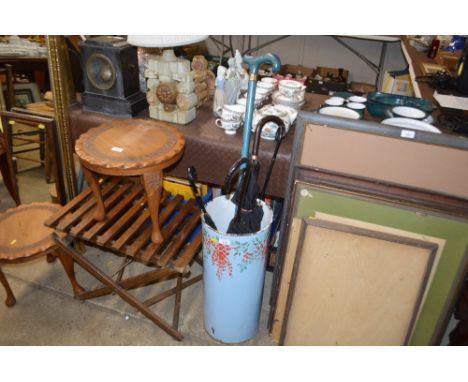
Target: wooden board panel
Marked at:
438, 242
293, 243
351, 288
405, 162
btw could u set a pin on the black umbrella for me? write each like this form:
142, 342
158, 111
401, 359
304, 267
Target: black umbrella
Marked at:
249, 212
278, 138
192, 177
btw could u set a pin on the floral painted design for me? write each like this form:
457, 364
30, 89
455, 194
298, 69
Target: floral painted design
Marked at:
223, 255
219, 256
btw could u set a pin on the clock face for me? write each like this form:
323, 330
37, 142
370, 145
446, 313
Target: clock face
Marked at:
100, 71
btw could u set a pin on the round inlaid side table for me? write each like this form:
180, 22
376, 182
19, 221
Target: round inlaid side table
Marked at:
23, 236
129, 148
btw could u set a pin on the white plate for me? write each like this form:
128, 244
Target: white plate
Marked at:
408, 112
357, 99
411, 124
342, 112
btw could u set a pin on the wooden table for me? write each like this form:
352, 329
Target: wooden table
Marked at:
23, 237
207, 147
132, 147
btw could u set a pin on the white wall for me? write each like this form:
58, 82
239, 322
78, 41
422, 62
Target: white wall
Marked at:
313, 51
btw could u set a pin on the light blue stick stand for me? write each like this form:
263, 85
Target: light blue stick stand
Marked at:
233, 274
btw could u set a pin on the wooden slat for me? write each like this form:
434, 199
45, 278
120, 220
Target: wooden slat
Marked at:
130, 232
89, 219
161, 296
179, 241
113, 214
133, 282
78, 214
187, 255
145, 235
167, 231
52, 221
122, 222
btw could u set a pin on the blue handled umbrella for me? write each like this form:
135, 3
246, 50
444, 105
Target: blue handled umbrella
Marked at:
249, 212
254, 64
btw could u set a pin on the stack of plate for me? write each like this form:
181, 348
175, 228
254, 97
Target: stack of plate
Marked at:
294, 102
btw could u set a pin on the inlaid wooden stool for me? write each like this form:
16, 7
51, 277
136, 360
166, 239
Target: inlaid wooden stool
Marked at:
23, 237
134, 147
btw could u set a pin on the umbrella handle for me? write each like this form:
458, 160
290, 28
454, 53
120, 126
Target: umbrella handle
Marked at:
232, 170
261, 125
192, 175
269, 58
245, 184
279, 137
254, 65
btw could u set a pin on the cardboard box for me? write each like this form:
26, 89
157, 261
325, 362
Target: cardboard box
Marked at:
361, 87
328, 82
176, 186
295, 70
449, 60
396, 83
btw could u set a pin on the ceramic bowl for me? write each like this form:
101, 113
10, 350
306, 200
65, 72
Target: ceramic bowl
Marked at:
334, 101
408, 112
259, 91
338, 111
294, 102
357, 106
270, 110
269, 80
411, 124
232, 112
291, 112
270, 128
269, 87
290, 88
356, 98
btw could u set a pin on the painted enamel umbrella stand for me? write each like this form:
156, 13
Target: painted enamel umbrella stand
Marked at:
234, 264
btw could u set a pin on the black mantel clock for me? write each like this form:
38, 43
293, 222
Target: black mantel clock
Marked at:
110, 75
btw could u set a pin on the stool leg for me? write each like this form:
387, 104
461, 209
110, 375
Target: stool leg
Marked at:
69, 267
10, 300
100, 213
152, 182
9, 177
178, 297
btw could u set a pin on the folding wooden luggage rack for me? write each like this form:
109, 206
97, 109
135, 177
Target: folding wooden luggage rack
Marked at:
127, 232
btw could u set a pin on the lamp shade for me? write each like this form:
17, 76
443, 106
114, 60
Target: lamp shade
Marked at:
164, 41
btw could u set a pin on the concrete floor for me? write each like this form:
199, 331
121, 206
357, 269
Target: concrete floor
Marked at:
47, 314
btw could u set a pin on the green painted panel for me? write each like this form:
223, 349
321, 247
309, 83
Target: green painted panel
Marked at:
453, 230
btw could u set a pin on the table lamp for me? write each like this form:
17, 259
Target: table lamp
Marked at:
171, 87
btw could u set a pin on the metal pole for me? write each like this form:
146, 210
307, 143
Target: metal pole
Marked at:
379, 79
